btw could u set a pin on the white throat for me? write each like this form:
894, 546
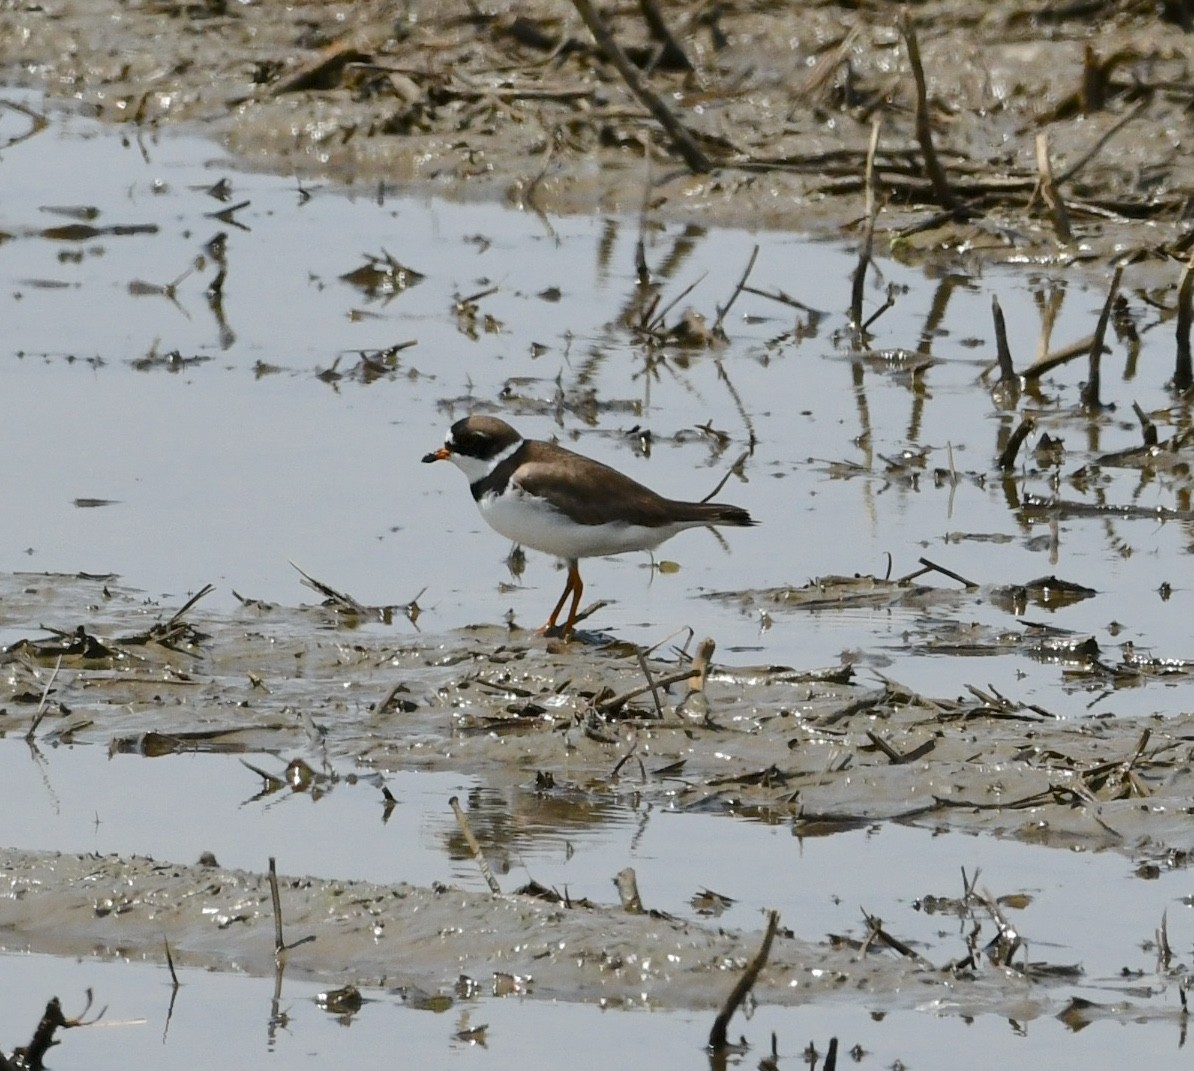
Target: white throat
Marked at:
474, 468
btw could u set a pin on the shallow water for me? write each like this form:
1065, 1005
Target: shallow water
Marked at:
144, 1027
235, 458
219, 474
1088, 908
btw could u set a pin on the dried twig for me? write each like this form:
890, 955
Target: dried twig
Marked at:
40, 713
924, 132
338, 599
1148, 430
651, 682
815, 315
207, 589
717, 1036
671, 54
933, 567
858, 280
1007, 370
897, 758
53, 1019
324, 72
1007, 941
280, 946
1049, 361
617, 702
656, 320
170, 964
1090, 391
474, 846
681, 139
1183, 372
879, 934
642, 271
1164, 949
1007, 458
276, 899
1049, 190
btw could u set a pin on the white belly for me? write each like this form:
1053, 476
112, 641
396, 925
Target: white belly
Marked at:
530, 522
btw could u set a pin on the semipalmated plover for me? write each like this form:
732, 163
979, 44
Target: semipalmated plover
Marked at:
548, 498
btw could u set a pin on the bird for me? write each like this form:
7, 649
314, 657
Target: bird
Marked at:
546, 497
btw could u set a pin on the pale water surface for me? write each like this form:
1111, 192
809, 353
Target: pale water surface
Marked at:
227, 463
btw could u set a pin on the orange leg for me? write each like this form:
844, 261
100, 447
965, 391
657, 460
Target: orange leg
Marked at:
574, 586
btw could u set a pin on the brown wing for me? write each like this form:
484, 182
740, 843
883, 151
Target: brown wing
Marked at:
592, 493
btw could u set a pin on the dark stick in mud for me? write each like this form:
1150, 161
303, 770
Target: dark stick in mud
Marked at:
474, 846
1164, 949
170, 964
717, 1036
858, 280
924, 131
41, 706
179, 614
276, 899
681, 139
31, 1057
1007, 458
1003, 352
933, 567
339, 600
671, 54
700, 664
876, 933
642, 661
888, 303
1183, 372
642, 271
280, 946
1049, 190
1090, 391
1148, 430
1051, 360
176, 986
43, 1038
617, 702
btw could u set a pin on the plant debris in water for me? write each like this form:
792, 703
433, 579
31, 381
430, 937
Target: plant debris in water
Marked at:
996, 130
819, 750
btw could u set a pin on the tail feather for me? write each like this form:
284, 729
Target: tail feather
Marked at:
735, 515
716, 513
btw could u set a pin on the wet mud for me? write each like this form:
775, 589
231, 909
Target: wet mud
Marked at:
819, 750
1014, 129
1051, 147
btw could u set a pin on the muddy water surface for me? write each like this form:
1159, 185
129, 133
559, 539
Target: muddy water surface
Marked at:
169, 428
